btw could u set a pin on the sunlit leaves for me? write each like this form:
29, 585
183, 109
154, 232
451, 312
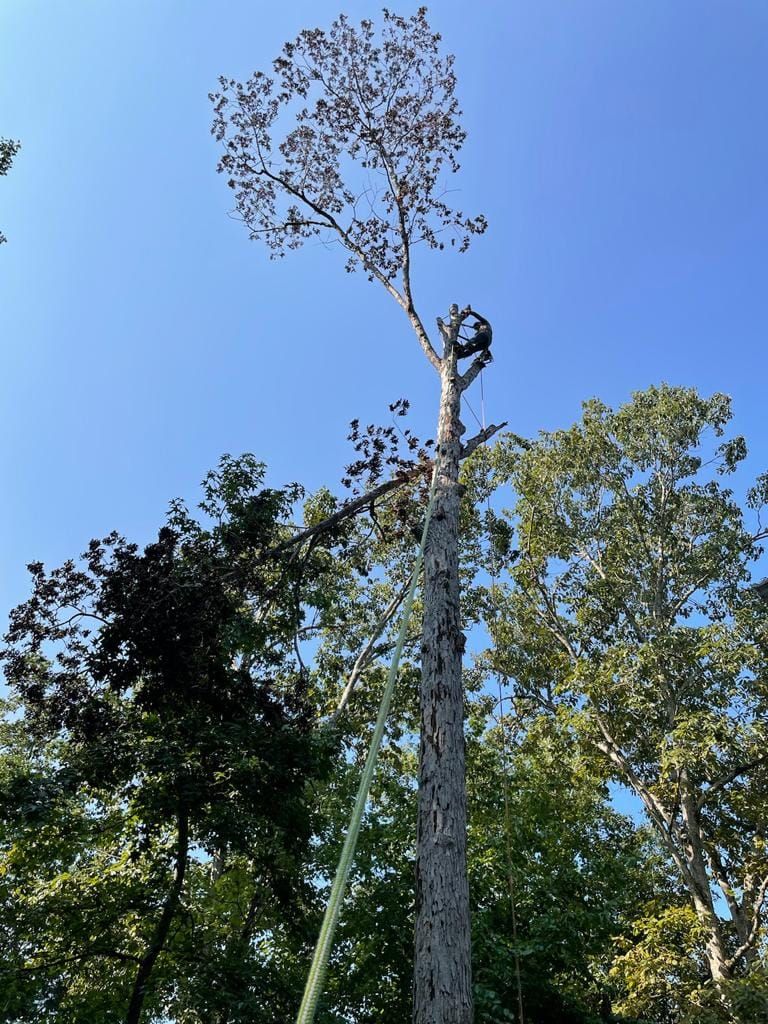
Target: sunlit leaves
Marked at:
629, 606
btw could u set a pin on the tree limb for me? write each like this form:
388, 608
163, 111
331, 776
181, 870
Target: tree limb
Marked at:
348, 509
405, 265
724, 883
109, 954
485, 435
368, 652
404, 301
723, 780
351, 508
754, 931
478, 363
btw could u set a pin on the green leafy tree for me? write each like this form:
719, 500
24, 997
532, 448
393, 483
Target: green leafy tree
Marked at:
169, 743
90, 840
580, 868
628, 613
556, 871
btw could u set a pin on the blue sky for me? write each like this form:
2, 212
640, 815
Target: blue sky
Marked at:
620, 153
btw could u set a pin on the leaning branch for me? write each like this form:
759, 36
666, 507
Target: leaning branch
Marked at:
348, 509
405, 263
474, 442
754, 931
365, 501
721, 877
330, 221
478, 363
721, 782
422, 335
369, 651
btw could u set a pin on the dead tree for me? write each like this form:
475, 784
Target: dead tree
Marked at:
337, 103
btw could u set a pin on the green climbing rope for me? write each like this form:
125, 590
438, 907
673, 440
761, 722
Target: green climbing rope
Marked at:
317, 971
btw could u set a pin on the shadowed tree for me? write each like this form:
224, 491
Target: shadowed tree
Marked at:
350, 139
170, 727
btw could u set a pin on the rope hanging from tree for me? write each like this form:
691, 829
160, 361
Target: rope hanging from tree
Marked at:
319, 966
504, 762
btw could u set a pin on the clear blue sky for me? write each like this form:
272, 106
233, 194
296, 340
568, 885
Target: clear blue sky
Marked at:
619, 150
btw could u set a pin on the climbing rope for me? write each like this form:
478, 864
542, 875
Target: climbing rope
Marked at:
319, 966
504, 765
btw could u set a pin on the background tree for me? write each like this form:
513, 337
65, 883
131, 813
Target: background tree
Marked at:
628, 615
581, 870
578, 871
89, 837
349, 139
170, 744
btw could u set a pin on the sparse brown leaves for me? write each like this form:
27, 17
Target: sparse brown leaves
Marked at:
383, 448
375, 130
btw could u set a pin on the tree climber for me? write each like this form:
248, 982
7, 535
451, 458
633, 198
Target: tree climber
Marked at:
479, 342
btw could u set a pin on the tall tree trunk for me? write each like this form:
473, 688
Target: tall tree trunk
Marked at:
442, 969
170, 906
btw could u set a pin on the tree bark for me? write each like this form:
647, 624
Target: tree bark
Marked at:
700, 890
442, 969
687, 850
157, 942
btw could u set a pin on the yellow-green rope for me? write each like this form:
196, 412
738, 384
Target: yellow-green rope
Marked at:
317, 971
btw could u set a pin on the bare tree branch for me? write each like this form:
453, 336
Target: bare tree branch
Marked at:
721, 782
485, 435
367, 654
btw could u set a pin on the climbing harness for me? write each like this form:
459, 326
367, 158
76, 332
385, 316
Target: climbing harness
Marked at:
318, 969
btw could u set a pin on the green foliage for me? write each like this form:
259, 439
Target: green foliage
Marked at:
185, 687
162, 762
627, 617
657, 969
578, 869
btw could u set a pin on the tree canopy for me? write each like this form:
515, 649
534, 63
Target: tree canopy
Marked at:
568, 821
175, 783
629, 617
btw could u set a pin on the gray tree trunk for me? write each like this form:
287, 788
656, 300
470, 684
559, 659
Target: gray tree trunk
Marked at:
442, 968
699, 888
